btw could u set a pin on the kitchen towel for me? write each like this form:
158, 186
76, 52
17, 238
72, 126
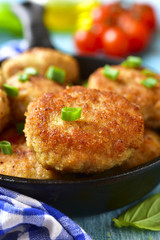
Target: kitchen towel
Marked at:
12, 48
24, 218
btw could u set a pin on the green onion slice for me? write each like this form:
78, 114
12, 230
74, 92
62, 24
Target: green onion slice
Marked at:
56, 74
10, 90
23, 77
110, 72
71, 114
149, 82
147, 72
69, 84
132, 61
6, 147
20, 127
85, 83
31, 71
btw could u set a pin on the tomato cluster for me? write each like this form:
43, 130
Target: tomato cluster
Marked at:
117, 30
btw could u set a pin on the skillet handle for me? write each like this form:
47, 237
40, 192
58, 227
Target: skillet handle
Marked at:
31, 17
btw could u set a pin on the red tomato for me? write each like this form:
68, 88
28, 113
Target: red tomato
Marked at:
98, 29
115, 42
85, 41
146, 14
107, 14
137, 32
99, 13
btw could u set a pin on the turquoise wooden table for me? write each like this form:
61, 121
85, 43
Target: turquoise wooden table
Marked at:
101, 227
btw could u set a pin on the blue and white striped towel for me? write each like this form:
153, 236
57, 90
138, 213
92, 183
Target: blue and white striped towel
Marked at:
24, 218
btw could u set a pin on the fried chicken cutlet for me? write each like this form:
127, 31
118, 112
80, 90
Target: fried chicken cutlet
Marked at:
108, 132
23, 162
41, 59
4, 110
28, 91
128, 84
149, 150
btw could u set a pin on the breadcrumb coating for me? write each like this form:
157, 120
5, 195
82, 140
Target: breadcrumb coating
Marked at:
4, 110
42, 58
149, 150
28, 91
128, 84
23, 162
108, 132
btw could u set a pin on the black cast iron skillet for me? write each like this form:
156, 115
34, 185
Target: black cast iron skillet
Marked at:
85, 194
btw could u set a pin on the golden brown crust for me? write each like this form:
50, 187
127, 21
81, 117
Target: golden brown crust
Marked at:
128, 84
23, 162
1, 78
106, 135
149, 150
42, 58
28, 91
4, 110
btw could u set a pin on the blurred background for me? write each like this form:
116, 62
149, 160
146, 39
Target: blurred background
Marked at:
91, 27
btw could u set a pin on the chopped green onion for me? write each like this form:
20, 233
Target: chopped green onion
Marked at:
6, 147
132, 61
70, 114
85, 83
110, 72
23, 77
149, 82
69, 84
147, 72
56, 74
31, 71
10, 90
20, 127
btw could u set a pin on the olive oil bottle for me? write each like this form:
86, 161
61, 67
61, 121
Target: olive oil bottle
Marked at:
68, 15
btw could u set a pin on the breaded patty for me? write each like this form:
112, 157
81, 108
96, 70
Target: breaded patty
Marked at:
108, 132
28, 91
22, 163
1, 78
4, 110
42, 58
149, 150
129, 85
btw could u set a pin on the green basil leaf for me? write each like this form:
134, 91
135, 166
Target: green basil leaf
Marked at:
145, 215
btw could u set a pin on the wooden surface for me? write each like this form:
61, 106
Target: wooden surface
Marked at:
101, 227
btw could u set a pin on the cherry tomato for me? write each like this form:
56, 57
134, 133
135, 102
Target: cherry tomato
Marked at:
116, 30
98, 29
137, 32
85, 41
107, 14
115, 42
146, 14
99, 13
